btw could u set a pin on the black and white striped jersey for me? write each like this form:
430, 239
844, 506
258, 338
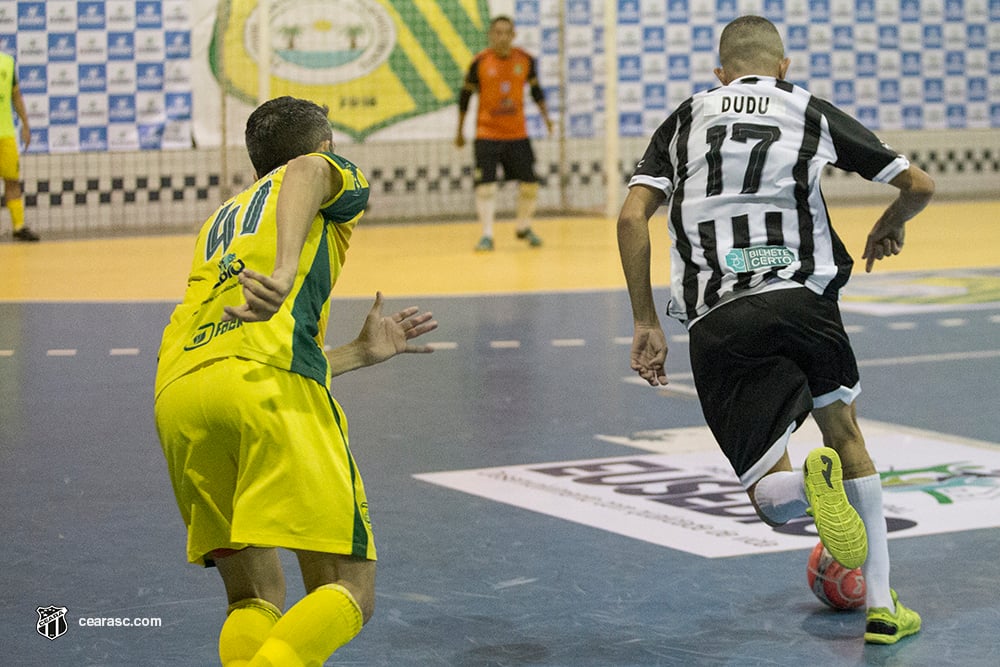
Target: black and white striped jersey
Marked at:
740, 165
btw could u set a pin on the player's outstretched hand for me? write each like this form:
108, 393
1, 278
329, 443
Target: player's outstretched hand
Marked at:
649, 352
384, 336
264, 296
884, 239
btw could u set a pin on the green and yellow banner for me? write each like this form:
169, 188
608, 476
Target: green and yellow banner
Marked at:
373, 62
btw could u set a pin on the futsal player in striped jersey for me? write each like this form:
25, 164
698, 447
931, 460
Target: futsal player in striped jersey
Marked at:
499, 75
255, 444
756, 270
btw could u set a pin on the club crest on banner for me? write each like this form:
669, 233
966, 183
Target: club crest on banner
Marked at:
51, 622
373, 62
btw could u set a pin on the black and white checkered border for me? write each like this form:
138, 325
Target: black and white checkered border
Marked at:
441, 190
49, 192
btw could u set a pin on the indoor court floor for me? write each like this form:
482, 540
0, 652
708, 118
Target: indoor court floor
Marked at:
533, 504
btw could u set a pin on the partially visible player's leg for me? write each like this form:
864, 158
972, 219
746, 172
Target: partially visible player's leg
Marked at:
753, 398
519, 164
255, 587
486, 204
779, 496
10, 172
839, 425
887, 621
340, 601
355, 574
486, 155
527, 201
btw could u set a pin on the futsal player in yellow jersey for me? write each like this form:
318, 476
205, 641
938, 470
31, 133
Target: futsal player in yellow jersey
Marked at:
11, 102
255, 444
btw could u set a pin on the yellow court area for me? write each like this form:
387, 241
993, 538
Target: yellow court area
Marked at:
579, 253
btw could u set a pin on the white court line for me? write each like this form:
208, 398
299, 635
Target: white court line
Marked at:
953, 322
568, 342
932, 358
902, 326
60, 353
443, 345
6, 353
677, 338
671, 378
505, 344
123, 352
678, 388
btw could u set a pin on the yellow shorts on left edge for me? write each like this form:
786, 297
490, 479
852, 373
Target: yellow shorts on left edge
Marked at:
258, 456
10, 159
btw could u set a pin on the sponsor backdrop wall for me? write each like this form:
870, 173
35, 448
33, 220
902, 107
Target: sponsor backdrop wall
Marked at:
102, 76
158, 80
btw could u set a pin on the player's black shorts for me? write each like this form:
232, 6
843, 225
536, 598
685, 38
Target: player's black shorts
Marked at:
516, 157
761, 363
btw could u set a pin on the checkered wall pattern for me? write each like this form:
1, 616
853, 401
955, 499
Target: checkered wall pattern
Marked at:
128, 190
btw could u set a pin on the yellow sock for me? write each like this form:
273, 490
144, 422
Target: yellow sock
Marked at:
315, 627
247, 626
16, 208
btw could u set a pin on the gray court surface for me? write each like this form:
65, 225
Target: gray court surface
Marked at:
467, 580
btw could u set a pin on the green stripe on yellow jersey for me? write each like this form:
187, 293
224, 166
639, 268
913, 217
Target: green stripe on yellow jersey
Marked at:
242, 233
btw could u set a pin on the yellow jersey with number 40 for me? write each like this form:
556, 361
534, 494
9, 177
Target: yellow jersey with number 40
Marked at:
242, 233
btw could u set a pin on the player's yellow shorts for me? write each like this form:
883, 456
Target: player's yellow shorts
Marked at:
258, 456
10, 159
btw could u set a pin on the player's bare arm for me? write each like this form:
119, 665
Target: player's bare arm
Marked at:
22, 112
468, 89
886, 238
309, 182
649, 344
383, 337
538, 95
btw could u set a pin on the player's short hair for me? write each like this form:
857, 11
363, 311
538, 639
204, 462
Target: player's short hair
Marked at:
285, 128
501, 18
750, 44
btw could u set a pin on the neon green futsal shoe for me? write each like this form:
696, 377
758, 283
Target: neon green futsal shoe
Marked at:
884, 627
840, 528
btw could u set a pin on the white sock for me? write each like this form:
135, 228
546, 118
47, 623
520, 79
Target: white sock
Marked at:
486, 204
865, 494
781, 496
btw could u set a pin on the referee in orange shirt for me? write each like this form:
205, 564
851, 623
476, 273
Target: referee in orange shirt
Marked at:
499, 74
